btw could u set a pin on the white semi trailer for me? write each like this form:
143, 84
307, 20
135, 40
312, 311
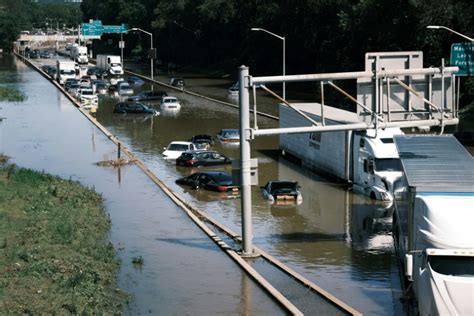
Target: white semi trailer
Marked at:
367, 159
432, 223
79, 54
110, 63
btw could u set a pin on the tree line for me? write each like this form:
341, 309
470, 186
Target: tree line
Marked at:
321, 36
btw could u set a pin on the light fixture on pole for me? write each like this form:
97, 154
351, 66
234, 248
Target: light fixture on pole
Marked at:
284, 57
151, 53
437, 27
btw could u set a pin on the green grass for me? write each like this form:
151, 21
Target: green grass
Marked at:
54, 254
11, 95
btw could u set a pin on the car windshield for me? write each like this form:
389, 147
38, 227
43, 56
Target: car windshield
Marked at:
124, 86
170, 100
114, 65
68, 72
87, 92
284, 185
230, 134
178, 147
388, 164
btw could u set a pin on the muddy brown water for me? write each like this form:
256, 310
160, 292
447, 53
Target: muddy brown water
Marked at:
184, 272
338, 240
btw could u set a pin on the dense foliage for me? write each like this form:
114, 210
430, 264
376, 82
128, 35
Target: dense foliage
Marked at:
18, 15
321, 36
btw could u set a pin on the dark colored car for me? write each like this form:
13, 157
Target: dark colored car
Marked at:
282, 191
202, 141
211, 180
135, 107
35, 54
45, 54
148, 95
69, 82
202, 158
92, 71
177, 82
135, 81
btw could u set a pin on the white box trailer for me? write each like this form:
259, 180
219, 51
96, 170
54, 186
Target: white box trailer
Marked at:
65, 70
366, 159
110, 63
432, 223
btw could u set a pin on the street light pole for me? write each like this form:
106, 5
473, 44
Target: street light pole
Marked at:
151, 52
284, 53
437, 27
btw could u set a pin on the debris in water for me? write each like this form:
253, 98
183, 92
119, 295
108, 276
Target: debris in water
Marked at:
115, 163
138, 260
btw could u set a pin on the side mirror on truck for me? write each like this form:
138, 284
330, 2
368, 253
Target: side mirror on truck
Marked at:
409, 266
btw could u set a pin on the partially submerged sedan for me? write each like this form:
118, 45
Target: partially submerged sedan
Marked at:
176, 148
210, 180
134, 107
170, 103
282, 192
229, 135
202, 158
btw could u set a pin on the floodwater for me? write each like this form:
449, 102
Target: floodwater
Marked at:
339, 240
184, 272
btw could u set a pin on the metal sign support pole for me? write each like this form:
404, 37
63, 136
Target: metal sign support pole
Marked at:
245, 185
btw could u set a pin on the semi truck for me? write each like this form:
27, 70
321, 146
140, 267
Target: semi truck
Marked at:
367, 160
79, 54
110, 63
432, 223
65, 70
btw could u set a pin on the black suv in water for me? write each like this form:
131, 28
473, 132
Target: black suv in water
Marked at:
134, 107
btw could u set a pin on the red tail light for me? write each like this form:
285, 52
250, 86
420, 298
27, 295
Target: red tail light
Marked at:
191, 162
221, 188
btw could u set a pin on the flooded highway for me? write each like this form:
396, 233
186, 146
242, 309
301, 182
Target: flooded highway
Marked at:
339, 240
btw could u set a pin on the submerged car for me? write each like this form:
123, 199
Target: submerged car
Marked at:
229, 135
277, 192
210, 180
124, 88
170, 103
202, 141
177, 82
233, 91
175, 149
134, 107
202, 158
87, 97
148, 95
135, 81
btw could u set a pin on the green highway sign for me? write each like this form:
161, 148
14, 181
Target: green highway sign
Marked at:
462, 55
114, 28
92, 29
95, 28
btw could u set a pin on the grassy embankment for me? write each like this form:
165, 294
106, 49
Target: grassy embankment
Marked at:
54, 253
11, 95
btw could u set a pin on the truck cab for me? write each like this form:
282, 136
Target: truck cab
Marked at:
376, 163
